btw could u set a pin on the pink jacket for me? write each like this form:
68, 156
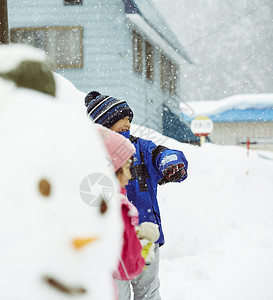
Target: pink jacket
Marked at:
131, 262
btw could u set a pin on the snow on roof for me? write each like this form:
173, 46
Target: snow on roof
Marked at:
144, 11
142, 25
245, 107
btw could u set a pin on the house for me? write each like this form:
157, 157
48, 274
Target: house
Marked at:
178, 129
238, 119
122, 48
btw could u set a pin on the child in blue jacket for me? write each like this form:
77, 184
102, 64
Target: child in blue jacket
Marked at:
153, 165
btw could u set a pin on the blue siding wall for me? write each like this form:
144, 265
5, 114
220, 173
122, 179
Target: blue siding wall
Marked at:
103, 45
107, 52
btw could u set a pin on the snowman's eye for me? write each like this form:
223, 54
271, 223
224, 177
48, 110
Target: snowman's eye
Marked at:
44, 187
103, 207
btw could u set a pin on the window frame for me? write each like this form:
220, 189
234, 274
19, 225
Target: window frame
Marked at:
149, 61
163, 62
54, 64
173, 79
168, 74
137, 52
73, 2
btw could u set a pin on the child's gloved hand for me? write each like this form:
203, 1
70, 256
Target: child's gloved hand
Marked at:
148, 231
173, 173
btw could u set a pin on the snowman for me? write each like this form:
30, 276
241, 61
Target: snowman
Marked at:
60, 231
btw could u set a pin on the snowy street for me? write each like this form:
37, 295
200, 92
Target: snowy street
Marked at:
218, 227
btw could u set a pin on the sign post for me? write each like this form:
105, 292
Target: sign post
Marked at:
247, 146
202, 126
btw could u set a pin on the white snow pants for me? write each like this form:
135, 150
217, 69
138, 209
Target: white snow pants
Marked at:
145, 285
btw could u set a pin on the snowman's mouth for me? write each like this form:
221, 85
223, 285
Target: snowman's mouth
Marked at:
64, 288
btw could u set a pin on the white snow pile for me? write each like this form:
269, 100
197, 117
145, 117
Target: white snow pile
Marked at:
238, 102
52, 244
218, 224
18, 53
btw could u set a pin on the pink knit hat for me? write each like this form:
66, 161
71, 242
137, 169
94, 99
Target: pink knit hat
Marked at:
119, 148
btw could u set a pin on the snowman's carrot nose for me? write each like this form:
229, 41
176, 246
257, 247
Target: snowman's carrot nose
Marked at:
79, 243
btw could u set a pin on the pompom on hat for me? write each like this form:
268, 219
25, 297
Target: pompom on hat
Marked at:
118, 147
106, 110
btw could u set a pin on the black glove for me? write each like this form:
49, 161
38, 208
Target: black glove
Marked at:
173, 173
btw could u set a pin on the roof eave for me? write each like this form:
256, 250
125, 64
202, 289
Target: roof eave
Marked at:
143, 25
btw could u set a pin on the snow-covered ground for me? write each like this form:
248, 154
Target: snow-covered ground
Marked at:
218, 223
218, 226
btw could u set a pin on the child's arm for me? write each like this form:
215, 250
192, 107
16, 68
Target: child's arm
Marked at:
171, 164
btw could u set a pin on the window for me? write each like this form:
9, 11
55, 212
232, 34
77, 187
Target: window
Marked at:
168, 75
162, 72
63, 45
72, 2
173, 78
168, 69
137, 52
149, 61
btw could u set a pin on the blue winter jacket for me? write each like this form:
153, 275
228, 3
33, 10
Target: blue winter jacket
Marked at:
149, 162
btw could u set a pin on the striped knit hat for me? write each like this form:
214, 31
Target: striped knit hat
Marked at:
106, 110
